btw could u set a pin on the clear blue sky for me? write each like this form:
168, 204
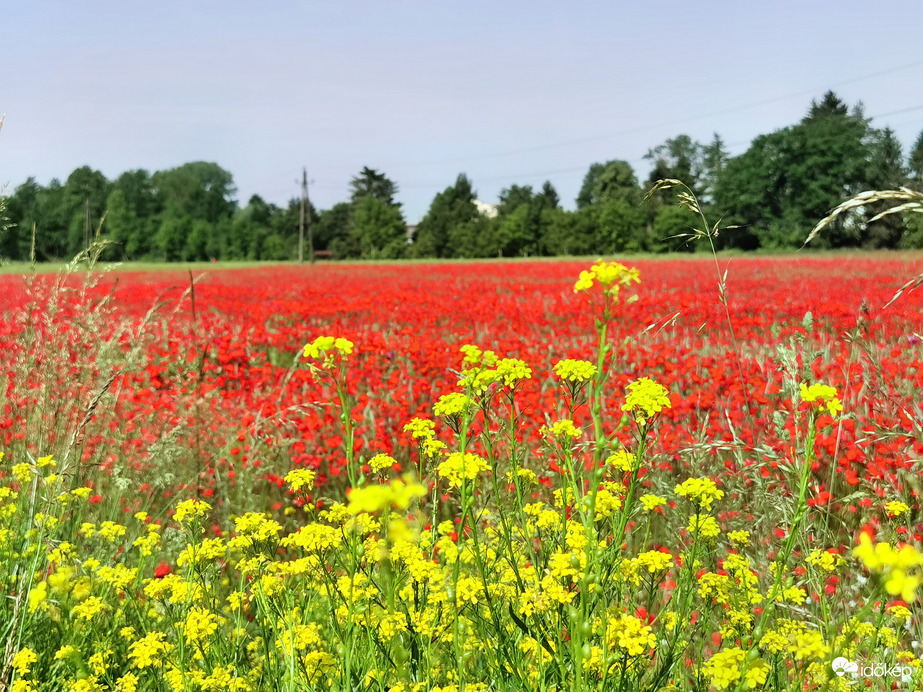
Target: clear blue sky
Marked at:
507, 92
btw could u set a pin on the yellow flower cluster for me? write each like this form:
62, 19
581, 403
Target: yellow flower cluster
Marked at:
381, 462
562, 429
575, 370
191, 509
723, 670
299, 479
458, 467
376, 498
512, 371
612, 276
323, 345
900, 568
822, 395
645, 398
700, 491
451, 405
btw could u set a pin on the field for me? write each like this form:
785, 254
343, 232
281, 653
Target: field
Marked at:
193, 499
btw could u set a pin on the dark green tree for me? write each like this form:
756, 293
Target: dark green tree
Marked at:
370, 182
790, 179
452, 225
915, 163
379, 229
85, 193
610, 180
332, 231
570, 233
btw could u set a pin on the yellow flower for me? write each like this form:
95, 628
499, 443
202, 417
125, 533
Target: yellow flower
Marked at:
563, 429
655, 561
376, 498
612, 276
110, 531
651, 502
148, 651
575, 370
631, 635
810, 646
469, 590
458, 467
645, 398
322, 346
23, 661
200, 623
893, 565
824, 396
700, 491
89, 608
420, 428
38, 597
707, 527
127, 683
585, 282
451, 405
380, 462
622, 460
900, 613
723, 669
740, 538
896, 509
191, 509
300, 478
511, 371
22, 472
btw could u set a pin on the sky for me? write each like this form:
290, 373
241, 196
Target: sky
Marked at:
506, 92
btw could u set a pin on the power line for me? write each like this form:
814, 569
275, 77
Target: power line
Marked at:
644, 128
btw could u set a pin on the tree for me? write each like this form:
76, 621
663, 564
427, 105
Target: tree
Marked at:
199, 190
671, 229
620, 227
549, 196
132, 214
681, 158
915, 162
570, 233
370, 182
611, 180
332, 231
379, 229
446, 228
789, 179
885, 171
85, 193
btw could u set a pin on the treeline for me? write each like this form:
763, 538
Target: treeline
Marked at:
772, 195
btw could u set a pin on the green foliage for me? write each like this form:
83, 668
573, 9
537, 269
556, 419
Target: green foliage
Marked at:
371, 182
452, 225
770, 197
671, 230
620, 227
379, 229
610, 180
332, 230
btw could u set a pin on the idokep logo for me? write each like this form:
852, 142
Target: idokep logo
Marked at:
842, 666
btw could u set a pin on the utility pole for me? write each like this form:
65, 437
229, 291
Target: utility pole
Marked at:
308, 204
304, 212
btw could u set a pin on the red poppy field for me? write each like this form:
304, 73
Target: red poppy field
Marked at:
154, 391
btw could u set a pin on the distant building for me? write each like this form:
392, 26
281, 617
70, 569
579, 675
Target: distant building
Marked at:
411, 230
488, 210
